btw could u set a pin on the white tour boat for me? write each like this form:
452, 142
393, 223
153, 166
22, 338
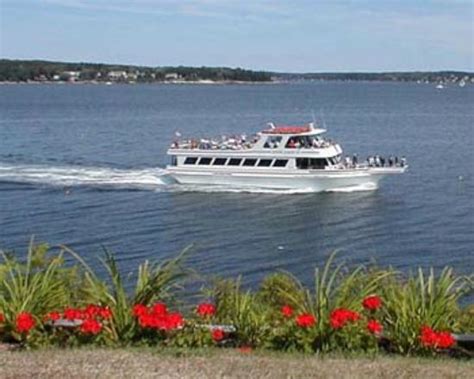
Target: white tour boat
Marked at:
279, 157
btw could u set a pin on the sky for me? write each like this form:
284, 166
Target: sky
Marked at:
274, 35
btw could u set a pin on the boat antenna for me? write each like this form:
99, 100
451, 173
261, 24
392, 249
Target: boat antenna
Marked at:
323, 121
313, 117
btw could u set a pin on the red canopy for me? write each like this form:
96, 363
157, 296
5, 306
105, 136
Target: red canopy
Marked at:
288, 129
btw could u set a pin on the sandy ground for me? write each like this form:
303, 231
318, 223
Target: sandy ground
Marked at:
101, 363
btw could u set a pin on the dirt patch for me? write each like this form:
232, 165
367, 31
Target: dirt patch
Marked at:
100, 363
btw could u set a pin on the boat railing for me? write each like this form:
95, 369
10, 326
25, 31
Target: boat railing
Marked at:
373, 161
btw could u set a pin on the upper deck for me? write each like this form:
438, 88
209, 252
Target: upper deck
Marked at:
282, 138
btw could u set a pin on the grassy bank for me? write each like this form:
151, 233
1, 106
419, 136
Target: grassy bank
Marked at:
215, 363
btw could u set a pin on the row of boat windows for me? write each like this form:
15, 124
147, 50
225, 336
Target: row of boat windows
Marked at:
249, 162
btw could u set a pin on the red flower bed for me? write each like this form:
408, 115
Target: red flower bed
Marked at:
372, 303
157, 317
218, 335
24, 322
287, 311
91, 326
91, 311
206, 309
374, 327
433, 339
53, 316
341, 317
305, 320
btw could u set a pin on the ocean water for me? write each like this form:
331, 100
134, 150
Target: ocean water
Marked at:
84, 165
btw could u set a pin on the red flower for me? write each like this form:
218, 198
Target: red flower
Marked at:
72, 314
2, 318
372, 303
218, 335
159, 309
173, 321
305, 320
139, 310
105, 313
91, 326
428, 336
374, 327
433, 339
24, 322
341, 316
286, 311
91, 311
206, 309
145, 320
445, 340
162, 322
53, 316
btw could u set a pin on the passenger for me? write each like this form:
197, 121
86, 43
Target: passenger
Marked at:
382, 161
348, 161
291, 143
396, 161
377, 160
403, 161
390, 161
354, 160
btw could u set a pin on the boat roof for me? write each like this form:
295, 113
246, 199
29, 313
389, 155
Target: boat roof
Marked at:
293, 129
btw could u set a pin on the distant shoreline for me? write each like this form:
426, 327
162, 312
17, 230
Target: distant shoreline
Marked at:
222, 83
39, 71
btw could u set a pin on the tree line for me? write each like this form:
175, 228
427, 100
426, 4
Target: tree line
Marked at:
38, 70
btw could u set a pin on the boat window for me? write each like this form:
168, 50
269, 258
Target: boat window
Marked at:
205, 161
250, 162
311, 163
280, 162
264, 162
272, 142
174, 160
219, 161
234, 162
190, 160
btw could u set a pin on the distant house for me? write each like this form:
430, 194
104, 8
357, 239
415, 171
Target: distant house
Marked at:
70, 76
133, 75
117, 75
172, 76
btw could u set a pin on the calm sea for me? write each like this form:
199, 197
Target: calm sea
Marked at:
83, 165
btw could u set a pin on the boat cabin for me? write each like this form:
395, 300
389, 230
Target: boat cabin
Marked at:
290, 147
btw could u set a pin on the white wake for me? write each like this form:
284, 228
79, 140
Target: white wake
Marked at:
66, 176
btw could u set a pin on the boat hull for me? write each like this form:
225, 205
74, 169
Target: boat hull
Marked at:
325, 180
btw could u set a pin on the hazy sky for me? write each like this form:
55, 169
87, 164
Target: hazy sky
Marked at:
294, 36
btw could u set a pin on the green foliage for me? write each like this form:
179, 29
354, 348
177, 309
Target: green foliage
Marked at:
466, 320
155, 282
424, 299
37, 285
243, 310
